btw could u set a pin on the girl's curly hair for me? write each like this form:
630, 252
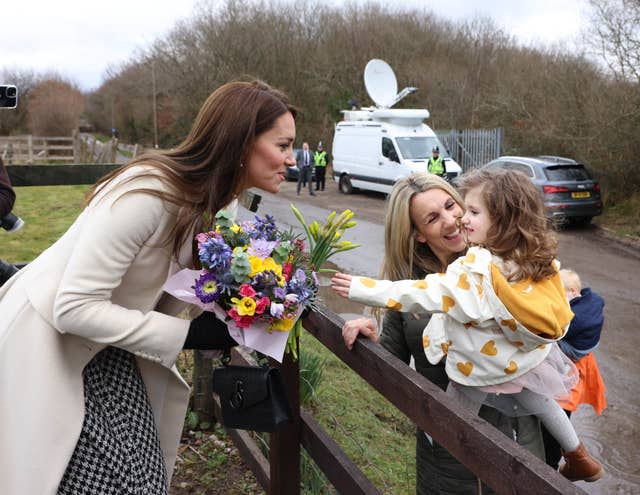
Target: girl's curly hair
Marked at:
520, 231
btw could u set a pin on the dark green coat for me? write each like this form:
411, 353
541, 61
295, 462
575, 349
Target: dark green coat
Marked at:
437, 471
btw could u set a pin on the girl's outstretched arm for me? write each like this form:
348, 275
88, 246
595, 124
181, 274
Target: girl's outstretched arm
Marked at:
340, 283
458, 292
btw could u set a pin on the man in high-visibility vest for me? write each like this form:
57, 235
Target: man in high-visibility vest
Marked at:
320, 159
435, 165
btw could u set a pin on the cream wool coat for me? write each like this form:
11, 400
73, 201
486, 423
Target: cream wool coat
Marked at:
100, 284
493, 331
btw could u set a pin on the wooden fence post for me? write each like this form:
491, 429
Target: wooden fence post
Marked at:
203, 403
76, 146
284, 448
9, 154
30, 148
113, 148
93, 151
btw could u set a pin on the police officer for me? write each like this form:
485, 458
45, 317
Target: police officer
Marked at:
435, 165
320, 160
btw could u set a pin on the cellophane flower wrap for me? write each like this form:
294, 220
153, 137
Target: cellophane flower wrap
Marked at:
256, 277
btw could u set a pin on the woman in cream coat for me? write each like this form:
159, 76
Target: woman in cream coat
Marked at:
99, 288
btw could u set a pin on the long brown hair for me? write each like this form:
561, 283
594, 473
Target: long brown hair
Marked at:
204, 172
519, 229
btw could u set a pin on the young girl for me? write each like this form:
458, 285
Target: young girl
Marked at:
503, 309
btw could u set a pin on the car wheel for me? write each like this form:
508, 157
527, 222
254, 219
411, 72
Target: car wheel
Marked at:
345, 184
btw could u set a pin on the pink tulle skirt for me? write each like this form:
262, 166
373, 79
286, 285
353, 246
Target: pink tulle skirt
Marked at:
553, 378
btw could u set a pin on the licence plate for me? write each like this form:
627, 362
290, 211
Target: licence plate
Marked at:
581, 194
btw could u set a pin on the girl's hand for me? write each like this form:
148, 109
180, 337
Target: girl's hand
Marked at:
340, 283
360, 326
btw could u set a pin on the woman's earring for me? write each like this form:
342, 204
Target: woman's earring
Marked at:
241, 165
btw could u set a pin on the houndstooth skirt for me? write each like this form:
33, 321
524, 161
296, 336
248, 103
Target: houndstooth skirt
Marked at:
118, 451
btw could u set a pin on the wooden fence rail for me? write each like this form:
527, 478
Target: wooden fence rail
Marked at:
501, 463
85, 148
31, 149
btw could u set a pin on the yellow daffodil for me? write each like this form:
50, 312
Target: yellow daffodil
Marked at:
245, 306
270, 264
282, 325
257, 265
235, 228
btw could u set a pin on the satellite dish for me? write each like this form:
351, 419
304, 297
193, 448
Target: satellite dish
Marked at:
382, 85
380, 82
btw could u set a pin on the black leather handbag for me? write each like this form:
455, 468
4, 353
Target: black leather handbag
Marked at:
251, 397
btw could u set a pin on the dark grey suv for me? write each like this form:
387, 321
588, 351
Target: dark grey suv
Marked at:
568, 190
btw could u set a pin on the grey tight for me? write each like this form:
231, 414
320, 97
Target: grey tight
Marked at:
547, 410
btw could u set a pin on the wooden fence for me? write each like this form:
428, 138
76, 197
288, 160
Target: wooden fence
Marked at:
78, 148
501, 463
32, 149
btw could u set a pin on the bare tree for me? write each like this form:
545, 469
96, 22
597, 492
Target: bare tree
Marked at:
615, 35
15, 121
54, 107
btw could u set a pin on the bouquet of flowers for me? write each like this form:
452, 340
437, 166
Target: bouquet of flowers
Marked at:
259, 278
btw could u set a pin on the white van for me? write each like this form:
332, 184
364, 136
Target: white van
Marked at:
374, 147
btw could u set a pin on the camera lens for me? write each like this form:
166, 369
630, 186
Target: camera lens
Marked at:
11, 91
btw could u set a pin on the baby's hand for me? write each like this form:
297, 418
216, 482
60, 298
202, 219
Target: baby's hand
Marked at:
341, 283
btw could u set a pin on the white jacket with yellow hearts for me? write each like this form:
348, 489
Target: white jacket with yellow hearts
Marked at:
492, 331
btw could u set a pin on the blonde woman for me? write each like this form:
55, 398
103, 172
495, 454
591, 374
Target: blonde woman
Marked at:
422, 237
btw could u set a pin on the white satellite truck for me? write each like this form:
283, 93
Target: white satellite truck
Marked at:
375, 146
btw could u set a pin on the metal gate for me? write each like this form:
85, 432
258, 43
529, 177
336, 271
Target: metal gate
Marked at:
471, 148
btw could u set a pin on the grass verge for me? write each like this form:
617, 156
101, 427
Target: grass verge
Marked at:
623, 219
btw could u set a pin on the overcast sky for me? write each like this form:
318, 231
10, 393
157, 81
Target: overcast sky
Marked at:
81, 38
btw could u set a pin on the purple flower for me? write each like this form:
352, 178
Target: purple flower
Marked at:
261, 247
215, 252
207, 288
265, 229
279, 293
227, 283
305, 288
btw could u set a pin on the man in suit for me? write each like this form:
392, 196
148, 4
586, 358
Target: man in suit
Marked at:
304, 161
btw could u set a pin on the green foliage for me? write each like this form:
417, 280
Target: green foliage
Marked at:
379, 439
240, 266
623, 218
311, 371
312, 479
192, 420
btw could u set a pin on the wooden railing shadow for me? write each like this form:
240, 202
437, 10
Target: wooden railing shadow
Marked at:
501, 463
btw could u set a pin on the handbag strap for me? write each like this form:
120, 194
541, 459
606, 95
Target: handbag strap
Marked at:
226, 356
225, 360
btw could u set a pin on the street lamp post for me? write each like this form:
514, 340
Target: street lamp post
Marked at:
155, 111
